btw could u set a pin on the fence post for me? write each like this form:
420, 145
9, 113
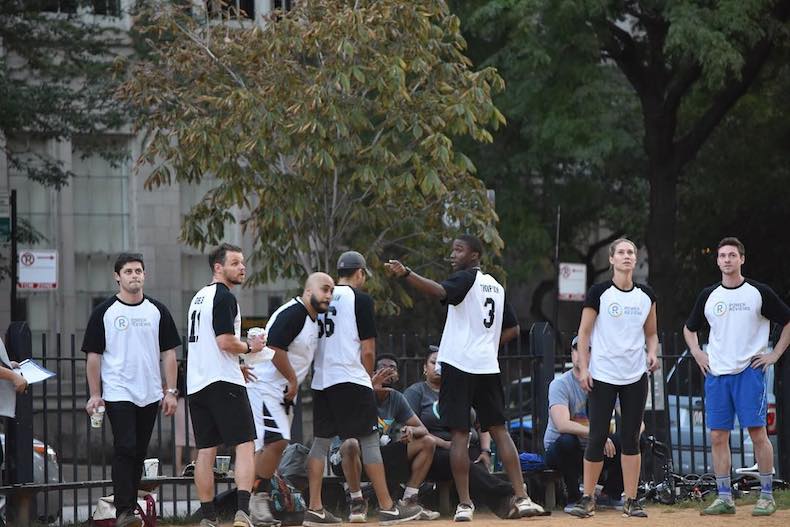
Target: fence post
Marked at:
541, 344
782, 392
19, 440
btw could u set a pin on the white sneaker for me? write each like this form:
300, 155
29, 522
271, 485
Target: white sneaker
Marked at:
260, 511
464, 512
526, 508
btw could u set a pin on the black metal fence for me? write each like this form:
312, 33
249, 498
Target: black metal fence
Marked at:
67, 449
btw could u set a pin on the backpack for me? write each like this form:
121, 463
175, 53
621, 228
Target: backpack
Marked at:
104, 514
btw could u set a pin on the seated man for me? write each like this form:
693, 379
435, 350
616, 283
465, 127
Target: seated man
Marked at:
566, 437
405, 444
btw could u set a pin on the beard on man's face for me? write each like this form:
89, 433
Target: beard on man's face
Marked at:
320, 307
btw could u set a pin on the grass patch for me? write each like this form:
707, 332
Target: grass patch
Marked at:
782, 498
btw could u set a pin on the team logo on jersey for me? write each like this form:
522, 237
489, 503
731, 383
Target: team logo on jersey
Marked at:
436, 409
121, 323
719, 308
615, 310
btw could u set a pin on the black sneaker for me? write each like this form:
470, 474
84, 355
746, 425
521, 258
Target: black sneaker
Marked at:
358, 510
634, 509
320, 518
399, 513
584, 508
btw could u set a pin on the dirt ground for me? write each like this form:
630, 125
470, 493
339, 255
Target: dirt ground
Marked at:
659, 517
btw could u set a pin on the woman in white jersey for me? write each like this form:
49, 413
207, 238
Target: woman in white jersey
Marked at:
618, 321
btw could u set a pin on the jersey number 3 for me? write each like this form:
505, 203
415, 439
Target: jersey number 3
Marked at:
488, 322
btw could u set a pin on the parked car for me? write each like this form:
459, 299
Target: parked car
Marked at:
690, 439
48, 510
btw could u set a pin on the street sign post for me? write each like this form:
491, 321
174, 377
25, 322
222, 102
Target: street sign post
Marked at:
38, 269
572, 282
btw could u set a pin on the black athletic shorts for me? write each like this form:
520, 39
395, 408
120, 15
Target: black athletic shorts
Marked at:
346, 410
396, 463
221, 414
461, 391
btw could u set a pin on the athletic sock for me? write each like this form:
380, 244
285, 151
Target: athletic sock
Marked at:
208, 510
243, 501
766, 485
357, 494
409, 492
724, 488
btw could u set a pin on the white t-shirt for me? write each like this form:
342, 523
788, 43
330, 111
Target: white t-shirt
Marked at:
130, 338
291, 329
349, 320
740, 323
476, 315
213, 311
618, 337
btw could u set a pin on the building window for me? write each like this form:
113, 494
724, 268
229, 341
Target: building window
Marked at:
107, 7
240, 8
285, 5
59, 6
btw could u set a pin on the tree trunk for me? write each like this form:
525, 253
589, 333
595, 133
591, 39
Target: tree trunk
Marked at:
661, 236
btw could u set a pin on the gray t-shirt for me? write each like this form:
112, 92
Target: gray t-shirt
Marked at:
565, 390
425, 403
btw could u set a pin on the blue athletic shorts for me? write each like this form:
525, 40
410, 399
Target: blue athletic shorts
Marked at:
744, 394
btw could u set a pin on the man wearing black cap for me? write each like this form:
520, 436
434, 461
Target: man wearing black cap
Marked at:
566, 437
343, 400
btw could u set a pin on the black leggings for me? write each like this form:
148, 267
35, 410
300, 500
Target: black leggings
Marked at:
601, 405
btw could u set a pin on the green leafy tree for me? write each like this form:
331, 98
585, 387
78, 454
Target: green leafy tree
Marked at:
628, 90
334, 127
56, 81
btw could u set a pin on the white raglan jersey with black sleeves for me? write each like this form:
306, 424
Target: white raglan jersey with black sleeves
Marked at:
213, 311
618, 354
740, 323
292, 330
349, 320
130, 338
475, 316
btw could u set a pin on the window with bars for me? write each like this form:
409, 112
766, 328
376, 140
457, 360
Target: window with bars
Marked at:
241, 8
97, 7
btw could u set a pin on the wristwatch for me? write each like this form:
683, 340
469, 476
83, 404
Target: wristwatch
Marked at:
172, 391
486, 450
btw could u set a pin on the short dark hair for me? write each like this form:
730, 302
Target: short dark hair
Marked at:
217, 256
389, 356
125, 258
347, 273
431, 350
473, 242
732, 240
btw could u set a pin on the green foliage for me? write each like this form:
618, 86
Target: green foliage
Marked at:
56, 81
335, 127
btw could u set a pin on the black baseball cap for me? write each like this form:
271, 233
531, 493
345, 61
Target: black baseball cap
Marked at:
352, 260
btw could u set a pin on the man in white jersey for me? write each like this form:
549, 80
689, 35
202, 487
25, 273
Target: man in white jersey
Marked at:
739, 312
216, 389
124, 339
343, 401
469, 365
292, 333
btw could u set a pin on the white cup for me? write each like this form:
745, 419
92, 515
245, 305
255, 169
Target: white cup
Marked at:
151, 467
97, 417
223, 464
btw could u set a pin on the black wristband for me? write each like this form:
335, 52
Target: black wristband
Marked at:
408, 272
249, 349
486, 450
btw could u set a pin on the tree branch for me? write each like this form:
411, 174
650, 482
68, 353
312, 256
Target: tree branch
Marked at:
682, 80
688, 146
213, 57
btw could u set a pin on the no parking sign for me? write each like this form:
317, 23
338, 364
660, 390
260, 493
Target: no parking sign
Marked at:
38, 269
